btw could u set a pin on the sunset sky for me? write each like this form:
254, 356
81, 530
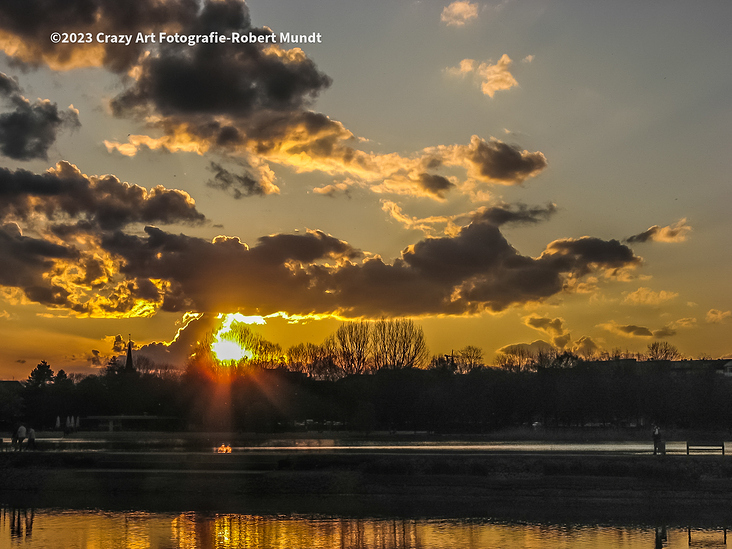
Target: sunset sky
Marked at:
514, 172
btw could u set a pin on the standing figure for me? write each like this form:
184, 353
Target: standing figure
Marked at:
20, 436
31, 439
657, 441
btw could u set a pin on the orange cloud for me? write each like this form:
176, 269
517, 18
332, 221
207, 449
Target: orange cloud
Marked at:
492, 78
646, 296
715, 316
459, 13
677, 232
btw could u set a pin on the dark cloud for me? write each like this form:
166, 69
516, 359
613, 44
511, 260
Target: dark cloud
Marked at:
584, 254
95, 359
526, 349
71, 211
645, 236
25, 27
518, 213
236, 80
664, 332
179, 350
633, 330
9, 87
499, 162
25, 261
119, 344
216, 275
316, 273
435, 184
585, 346
101, 201
561, 341
636, 331
550, 325
236, 185
676, 232
28, 131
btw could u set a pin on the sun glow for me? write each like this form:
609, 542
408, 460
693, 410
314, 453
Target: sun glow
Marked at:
227, 344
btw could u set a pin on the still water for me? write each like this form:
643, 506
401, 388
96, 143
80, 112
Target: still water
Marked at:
43, 528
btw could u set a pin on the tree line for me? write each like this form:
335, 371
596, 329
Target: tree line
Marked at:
558, 389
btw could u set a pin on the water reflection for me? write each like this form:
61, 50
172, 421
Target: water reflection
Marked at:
18, 522
28, 528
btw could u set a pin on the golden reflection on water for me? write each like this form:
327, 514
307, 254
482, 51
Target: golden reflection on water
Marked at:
25, 528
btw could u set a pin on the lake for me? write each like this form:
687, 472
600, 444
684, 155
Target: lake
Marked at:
94, 529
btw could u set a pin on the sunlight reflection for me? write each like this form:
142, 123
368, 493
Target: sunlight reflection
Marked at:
27, 528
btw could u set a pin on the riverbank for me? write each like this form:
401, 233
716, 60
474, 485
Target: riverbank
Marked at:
185, 441
547, 486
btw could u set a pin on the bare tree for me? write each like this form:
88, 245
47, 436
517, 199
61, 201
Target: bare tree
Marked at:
268, 354
469, 358
662, 350
297, 358
398, 343
516, 360
352, 342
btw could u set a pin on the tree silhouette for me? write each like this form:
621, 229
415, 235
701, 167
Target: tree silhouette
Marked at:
662, 350
398, 343
352, 342
469, 358
41, 375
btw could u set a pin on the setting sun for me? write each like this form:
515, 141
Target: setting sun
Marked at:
229, 342
228, 351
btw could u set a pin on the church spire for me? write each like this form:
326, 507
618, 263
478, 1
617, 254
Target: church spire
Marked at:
129, 364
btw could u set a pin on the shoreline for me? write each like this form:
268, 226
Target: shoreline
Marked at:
688, 489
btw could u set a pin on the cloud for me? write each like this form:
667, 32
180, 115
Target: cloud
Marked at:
530, 349
491, 161
678, 232
193, 328
551, 326
585, 346
248, 102
25, 27
118, 344
105, 202
633, 330
334, 189
495, 215
26, 261
239, 185
459, 13
314, 273
62, 265
28, 131
492, 78
528, 59
646, 296
684, 323
545, 324
715, 316
310, 142
89, 259
435, 184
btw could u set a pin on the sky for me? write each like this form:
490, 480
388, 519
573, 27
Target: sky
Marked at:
508, 173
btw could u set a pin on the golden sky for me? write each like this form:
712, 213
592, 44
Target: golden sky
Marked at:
514, 172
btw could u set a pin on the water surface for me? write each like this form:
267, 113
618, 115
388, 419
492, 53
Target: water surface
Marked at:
71, 529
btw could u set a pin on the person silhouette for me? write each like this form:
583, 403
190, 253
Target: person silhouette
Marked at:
31, 439
20, 435
656, 440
